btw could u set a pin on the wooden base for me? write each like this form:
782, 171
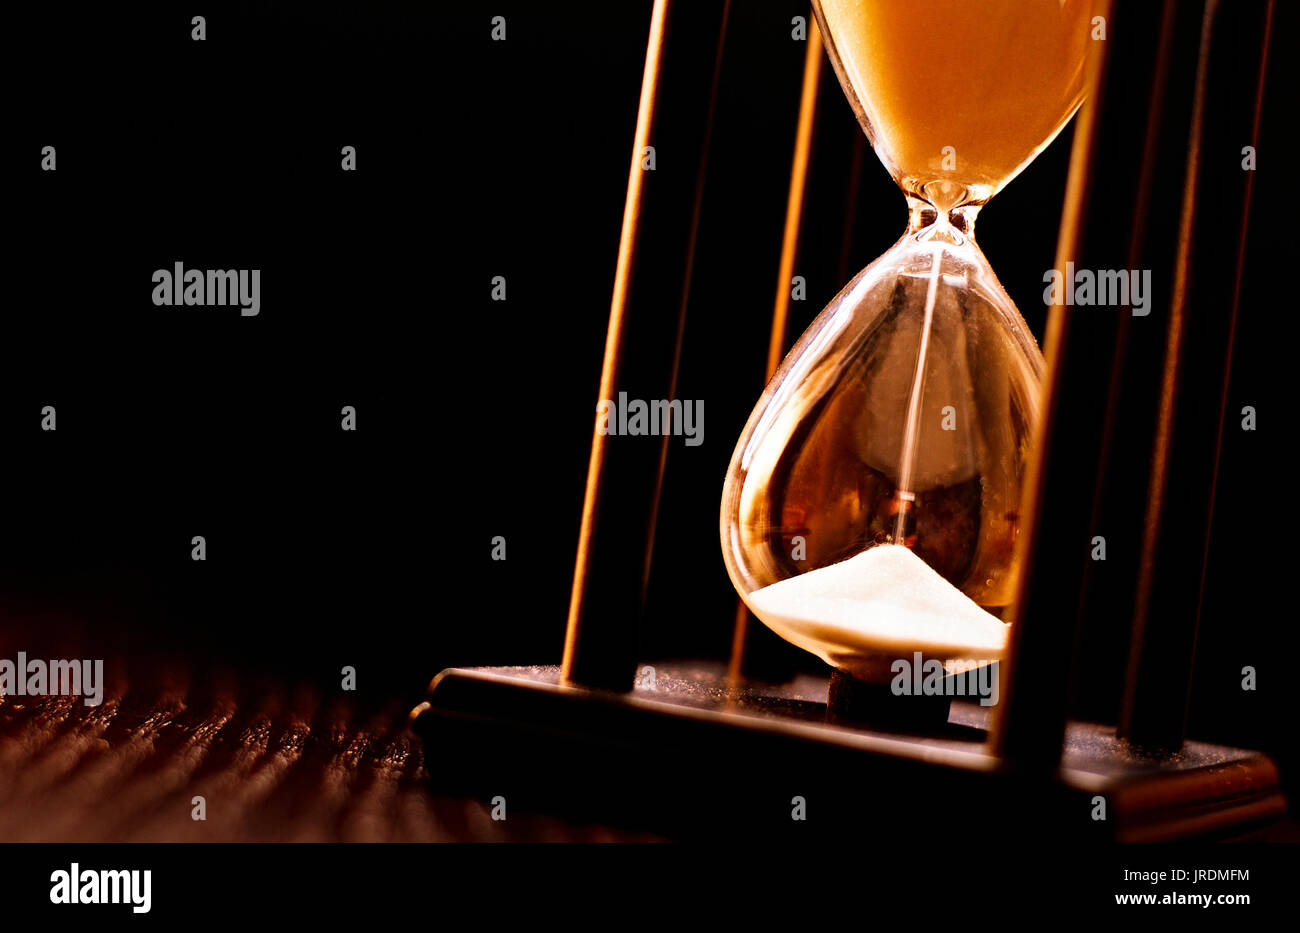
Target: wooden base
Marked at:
690, 755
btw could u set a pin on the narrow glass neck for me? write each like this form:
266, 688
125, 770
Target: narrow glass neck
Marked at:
954, 226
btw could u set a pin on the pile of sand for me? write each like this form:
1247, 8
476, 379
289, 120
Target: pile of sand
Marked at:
885, 603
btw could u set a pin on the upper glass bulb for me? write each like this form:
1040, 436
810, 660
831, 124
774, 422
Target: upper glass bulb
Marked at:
957, 96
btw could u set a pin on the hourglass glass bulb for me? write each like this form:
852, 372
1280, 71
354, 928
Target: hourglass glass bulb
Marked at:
872, 503
902, 417
958, 97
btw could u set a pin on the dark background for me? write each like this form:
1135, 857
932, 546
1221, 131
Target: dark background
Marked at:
475, 159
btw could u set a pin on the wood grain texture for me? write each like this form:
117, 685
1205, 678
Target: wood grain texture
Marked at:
274, 765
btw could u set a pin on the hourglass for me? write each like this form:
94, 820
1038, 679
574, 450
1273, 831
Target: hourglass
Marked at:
870, 509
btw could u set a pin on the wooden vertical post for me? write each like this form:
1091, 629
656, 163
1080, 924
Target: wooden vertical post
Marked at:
625, 473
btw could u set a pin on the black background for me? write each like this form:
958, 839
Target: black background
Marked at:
475, 158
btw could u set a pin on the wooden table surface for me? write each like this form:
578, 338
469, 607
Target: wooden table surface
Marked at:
273, 764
